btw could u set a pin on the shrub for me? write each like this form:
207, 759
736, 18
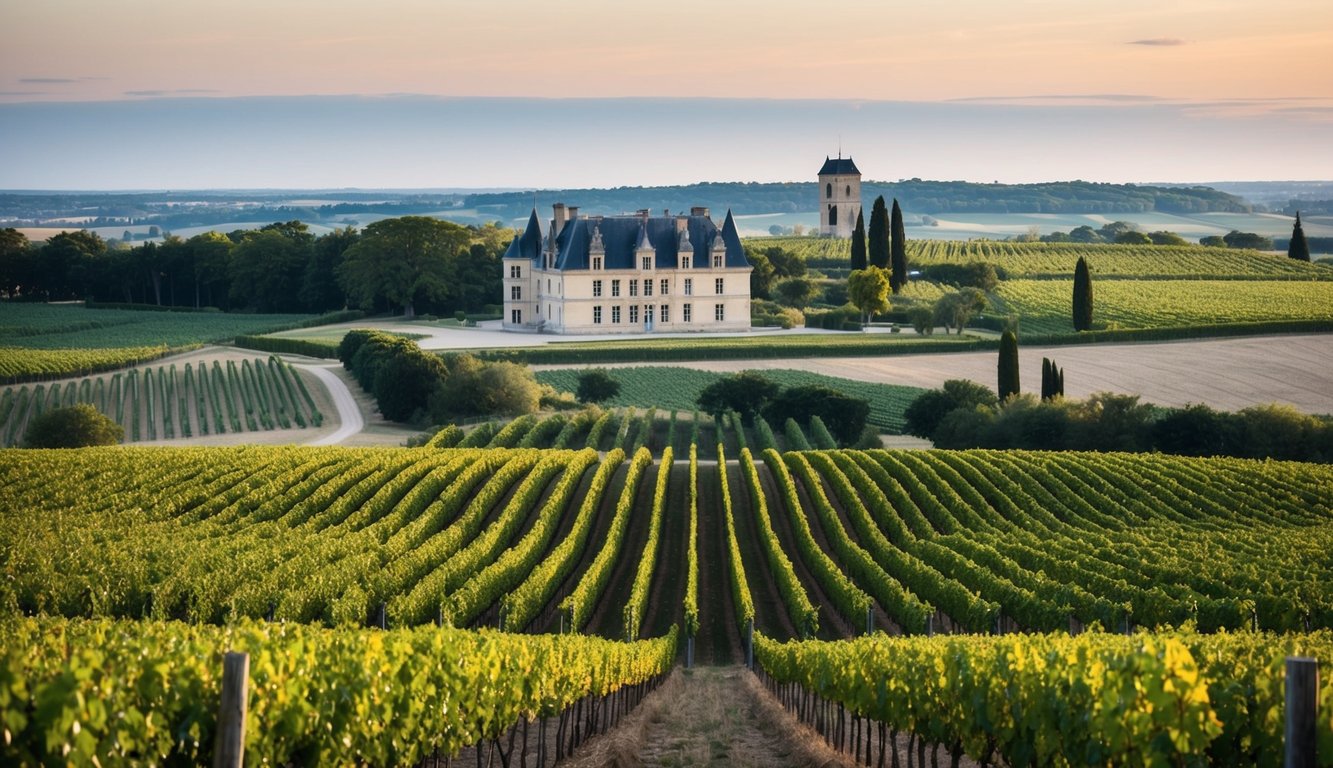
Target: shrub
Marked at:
745, 393
596, 386
925, 413
844, 415
77, 426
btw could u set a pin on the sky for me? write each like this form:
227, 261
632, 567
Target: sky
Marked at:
515, 93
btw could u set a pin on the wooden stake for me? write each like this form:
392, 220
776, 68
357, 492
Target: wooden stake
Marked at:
1302, 705
229, 748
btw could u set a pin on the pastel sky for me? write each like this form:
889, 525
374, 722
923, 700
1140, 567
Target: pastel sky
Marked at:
1263, 68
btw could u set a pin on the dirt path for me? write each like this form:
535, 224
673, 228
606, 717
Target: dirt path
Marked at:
350, 420
1228, 374
709, 716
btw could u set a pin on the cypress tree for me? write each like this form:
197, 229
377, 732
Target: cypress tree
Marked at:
1082, 296
1047, 379
1299, 249
859, 243
898, 249
877, 239
1059, 381
1008, 366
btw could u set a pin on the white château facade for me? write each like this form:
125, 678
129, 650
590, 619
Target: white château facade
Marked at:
839, 196
627, 274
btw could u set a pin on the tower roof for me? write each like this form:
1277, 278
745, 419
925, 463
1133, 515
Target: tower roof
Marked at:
840, 166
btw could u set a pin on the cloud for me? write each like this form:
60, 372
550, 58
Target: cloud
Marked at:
48, 80
1117, 98
1157, 41
172, 92
23, 93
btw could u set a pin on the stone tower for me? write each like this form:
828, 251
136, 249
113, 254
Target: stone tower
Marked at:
839, 196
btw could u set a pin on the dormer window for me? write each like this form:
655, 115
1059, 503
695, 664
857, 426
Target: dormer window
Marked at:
647, 262
685, 262
717, 260
596, 262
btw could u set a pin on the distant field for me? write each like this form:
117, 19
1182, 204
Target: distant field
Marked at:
1045, 305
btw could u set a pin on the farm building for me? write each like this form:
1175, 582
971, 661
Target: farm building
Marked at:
627, 274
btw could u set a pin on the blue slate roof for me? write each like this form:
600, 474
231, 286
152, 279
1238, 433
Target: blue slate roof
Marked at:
621, 238
838, 166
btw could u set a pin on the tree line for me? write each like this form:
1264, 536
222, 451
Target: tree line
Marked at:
281, 267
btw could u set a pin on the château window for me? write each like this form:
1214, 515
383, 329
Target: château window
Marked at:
648, 314
615, 314
515, 271
684, 262
666, 313
849, 190
647, 262
515, 293
516, 316
719, 312
717, 286
597, 289
648, 287
634, 287
828, 191
666, 286
634, 313
686, 312
596, 262
597, 315
689, 286
615, 289
833, 215
717, 260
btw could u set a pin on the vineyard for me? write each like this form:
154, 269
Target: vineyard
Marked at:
1044, 305
166, 401
44, 341
1056, 260
181, 553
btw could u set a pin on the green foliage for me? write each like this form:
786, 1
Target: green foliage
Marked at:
1082, 296
844, 415
596, 386
77, 426
858, 255
955, 310
745, 393
1247, 240
797, 292
868, 290
1008, 366
925, 413
898, 250
402, 260
1052, 380
1298, 248
877, 239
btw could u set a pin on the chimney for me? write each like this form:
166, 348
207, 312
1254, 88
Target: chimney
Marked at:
573, 212
666, 212
682, 222
698, 210
560, 217
642, 213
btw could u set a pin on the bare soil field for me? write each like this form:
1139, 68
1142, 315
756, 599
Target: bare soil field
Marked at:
1227, 374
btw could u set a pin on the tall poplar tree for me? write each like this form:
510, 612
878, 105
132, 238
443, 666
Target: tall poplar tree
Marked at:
1008, 366
877, 239
1299, 249
1082, 296
859, 243
898, 249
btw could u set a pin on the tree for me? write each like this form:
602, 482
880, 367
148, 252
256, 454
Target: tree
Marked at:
1237, 239
406, 381
401, 260
898, 251
844, 415
859, 243
1084, 234
77, 426
922, 320
877, 240
924, 414
15, 262
596, 386
1052, 380
1132, 238
1082, 296
320, 291
955, 310
266, 269
745, 393
1298, 249
1213, 241
1166, 238
1008, 366
797, 292
762, 276
785, 263
868, 291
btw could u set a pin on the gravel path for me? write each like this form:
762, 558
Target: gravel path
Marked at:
349, 415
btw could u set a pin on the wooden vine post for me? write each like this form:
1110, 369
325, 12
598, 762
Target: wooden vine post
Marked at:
229, 747
1302, 708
